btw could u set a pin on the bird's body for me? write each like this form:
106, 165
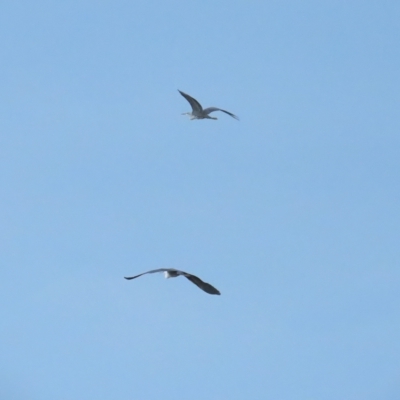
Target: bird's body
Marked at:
173, 273
170, 274
198, 112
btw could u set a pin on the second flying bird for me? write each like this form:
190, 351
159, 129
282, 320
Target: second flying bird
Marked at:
198, 112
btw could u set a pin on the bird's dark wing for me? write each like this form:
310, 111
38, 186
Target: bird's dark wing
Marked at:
196, 106
202, 285
148, 272
211, 109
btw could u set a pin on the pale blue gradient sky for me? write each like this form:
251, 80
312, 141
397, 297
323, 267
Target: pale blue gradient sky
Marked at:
292, 212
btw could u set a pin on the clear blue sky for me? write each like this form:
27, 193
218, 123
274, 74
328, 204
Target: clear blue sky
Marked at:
292, 212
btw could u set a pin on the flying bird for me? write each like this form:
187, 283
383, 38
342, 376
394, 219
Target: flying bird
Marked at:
197, 109
173, 273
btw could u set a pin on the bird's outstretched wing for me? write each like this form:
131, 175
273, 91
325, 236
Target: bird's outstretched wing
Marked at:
212, 109
201, 284
148, 272
196, 106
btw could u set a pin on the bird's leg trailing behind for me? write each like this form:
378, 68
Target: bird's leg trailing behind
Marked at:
190, 115
193, 116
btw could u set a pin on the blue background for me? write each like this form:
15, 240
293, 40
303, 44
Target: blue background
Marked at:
292, 212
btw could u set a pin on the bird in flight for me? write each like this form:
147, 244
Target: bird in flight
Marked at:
197, 109
173, 273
